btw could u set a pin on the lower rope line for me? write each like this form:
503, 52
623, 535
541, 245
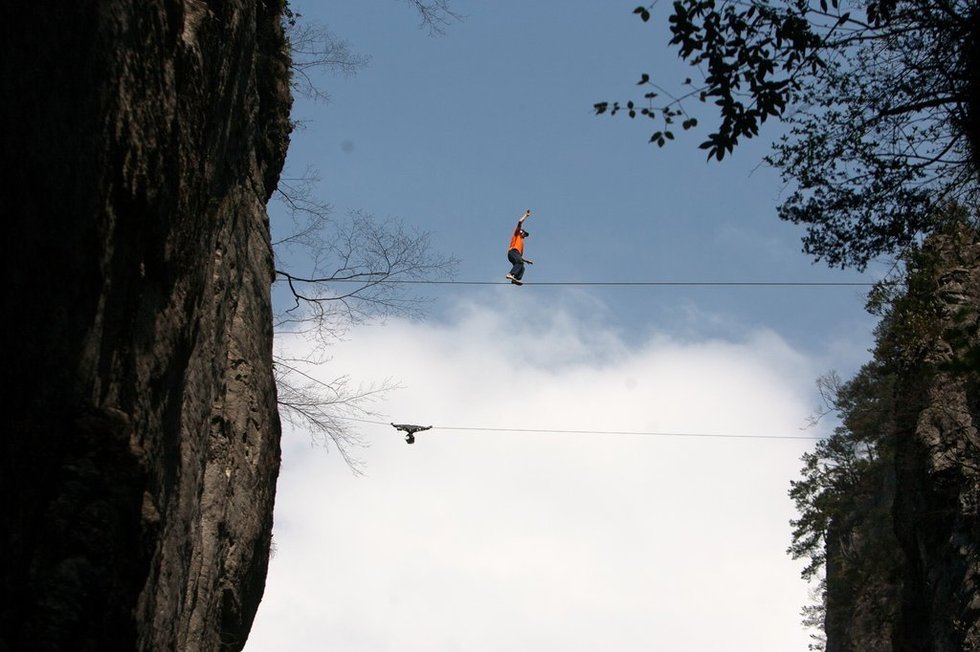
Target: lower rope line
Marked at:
597, 432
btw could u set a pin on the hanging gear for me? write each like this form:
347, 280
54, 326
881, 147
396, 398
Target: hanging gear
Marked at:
410, 430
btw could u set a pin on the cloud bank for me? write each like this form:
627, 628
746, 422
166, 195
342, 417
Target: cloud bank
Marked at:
485, 540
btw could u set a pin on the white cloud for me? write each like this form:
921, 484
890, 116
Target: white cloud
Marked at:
488, 540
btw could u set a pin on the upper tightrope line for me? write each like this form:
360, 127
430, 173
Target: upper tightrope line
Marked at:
623, 283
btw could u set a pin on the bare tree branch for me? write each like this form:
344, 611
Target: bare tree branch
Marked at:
314, 48
348, 264
436, 15
325, 407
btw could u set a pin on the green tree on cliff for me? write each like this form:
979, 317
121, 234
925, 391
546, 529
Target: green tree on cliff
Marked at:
846, 493
843, 497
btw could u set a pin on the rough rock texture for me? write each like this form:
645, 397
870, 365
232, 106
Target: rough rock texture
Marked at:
138, 465
902, 548
937, 503
863, 574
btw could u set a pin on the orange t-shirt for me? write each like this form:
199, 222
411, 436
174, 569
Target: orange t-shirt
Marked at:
517, 241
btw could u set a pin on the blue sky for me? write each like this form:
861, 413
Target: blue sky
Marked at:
459, 134
490, 540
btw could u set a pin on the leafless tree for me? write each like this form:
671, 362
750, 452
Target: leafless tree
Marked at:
313, 48
326, 409
435, 16
362, 269
333, 273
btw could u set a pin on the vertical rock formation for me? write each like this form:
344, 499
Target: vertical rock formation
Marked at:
890, 503
863, 572
138, 466
937, 502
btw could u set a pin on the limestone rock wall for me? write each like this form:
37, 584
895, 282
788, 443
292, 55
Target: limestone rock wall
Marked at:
937, 502
141, 143
902, 546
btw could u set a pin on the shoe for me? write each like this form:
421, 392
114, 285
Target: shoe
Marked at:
513, 279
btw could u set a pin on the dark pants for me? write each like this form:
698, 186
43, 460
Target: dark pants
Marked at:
515, 258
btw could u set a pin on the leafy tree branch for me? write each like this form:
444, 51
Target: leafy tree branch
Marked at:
883, 110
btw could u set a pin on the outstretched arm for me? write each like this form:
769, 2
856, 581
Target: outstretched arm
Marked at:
520, 222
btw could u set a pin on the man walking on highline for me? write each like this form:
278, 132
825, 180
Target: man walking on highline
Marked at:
515, 254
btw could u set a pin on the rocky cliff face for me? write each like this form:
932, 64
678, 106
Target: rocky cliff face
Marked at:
937, 457
903, 545
137, 471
